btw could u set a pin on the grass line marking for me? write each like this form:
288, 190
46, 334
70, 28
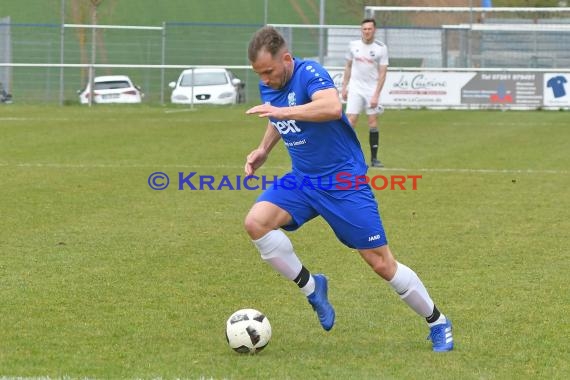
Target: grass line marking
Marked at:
277, 167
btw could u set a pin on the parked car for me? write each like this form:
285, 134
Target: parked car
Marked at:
207, 86
112, 89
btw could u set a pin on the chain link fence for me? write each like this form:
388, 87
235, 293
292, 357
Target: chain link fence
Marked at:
51, 62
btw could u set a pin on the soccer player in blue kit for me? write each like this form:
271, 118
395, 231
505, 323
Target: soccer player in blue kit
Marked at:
302, 106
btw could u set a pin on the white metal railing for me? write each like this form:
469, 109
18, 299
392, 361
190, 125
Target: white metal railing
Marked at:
94, 27
370, 10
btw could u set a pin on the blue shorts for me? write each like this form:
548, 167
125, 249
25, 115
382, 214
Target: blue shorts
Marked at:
352, 214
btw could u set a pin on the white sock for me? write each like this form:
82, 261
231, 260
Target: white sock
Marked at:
439, 321
276, 250
310, 287
412, 291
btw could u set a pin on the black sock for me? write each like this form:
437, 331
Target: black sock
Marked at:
434, 316
374, 138
303, 277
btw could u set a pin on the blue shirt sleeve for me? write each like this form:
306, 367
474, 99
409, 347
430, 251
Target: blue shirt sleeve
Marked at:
316, 78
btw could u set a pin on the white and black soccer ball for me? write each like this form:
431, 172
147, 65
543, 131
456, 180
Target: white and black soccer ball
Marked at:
248, 331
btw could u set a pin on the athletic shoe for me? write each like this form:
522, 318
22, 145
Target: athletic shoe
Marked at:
320, 303
376, 163
441, 337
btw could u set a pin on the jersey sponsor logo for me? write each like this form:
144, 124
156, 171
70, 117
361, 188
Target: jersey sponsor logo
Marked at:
364, 59
373, 238
291, 99
285, 127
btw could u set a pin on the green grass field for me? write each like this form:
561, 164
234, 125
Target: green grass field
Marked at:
102, 277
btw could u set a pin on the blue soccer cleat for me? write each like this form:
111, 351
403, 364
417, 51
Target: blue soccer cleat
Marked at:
441, 336
320, 303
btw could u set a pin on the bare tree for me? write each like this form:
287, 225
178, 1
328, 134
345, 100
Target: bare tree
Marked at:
88, 12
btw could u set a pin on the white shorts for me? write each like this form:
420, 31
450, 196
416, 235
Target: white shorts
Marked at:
358, 100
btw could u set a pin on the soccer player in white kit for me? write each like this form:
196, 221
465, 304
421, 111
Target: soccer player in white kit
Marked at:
364, 77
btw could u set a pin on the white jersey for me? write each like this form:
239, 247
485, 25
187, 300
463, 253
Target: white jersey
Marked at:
366, 59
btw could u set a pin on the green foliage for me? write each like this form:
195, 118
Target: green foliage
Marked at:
152, 12
101, 277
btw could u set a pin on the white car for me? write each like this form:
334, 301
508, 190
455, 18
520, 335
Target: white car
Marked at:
112, 89
207, 86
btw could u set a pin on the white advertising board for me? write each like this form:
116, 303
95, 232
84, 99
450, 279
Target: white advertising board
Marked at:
424, 89
556, 90
475, 90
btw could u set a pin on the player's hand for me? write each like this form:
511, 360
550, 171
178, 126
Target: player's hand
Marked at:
374, 102
344, 93
265, 110
254, 161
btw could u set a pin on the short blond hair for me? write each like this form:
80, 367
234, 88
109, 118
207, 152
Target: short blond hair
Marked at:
265, 39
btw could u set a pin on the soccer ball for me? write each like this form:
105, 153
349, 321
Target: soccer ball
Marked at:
248, 331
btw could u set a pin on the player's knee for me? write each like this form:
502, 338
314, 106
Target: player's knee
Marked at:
264, 217
253, 226
257, 225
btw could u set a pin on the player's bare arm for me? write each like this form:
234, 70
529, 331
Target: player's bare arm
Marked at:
346, 79
382, 71
324, 106
258, 156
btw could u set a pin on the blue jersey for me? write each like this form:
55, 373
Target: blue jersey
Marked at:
317, 149
557, 85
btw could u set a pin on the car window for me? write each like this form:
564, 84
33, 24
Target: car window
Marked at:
111, 85
204, 79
